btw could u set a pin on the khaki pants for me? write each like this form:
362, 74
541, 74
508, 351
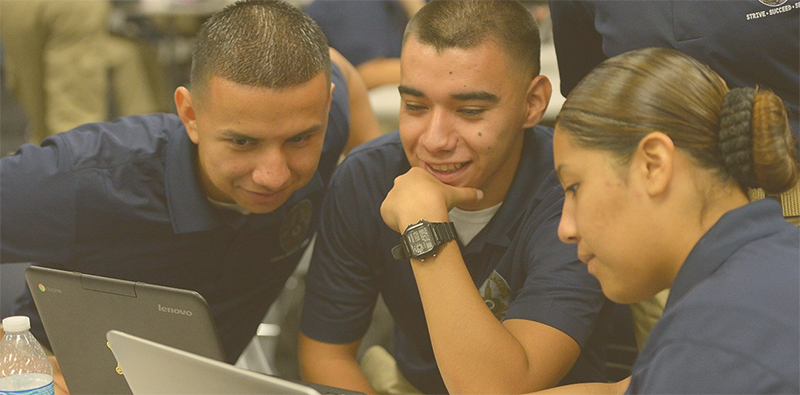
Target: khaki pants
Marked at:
381, 370
55, 61
59, 56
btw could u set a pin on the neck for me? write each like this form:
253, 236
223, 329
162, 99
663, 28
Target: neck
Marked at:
715, 200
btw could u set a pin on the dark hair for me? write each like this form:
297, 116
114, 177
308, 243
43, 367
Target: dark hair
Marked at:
466, 24
743, 134
261, 43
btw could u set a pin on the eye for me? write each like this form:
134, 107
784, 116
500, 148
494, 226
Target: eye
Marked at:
573, 188
472, 112
240, 142
298, 139
413, 108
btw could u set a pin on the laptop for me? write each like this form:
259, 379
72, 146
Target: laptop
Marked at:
78, 310
152, 368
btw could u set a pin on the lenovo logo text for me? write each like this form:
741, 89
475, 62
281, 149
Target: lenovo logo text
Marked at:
171, 310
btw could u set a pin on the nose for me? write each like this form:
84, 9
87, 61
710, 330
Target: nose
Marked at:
272, 171
567, 231
438, 135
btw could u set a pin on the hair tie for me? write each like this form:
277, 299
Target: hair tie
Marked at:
734, 135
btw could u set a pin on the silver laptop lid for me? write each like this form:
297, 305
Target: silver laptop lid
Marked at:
77, 310
153, 368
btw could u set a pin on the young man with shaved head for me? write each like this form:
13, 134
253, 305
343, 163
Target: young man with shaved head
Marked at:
485, 298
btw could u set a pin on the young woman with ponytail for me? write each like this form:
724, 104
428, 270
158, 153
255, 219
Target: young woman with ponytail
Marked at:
656, 156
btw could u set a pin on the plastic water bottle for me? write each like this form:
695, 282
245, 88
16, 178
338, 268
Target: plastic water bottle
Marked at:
24, 368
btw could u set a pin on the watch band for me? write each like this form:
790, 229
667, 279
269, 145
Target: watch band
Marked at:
442, 232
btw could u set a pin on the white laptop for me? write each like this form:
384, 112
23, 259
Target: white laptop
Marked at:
153, 368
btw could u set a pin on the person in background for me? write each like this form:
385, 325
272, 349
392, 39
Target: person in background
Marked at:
655, 155
368, 33
499, 305
221, 198
63, 64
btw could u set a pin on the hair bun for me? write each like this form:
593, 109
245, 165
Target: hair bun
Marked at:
735, 135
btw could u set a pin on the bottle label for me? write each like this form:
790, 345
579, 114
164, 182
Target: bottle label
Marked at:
46, 389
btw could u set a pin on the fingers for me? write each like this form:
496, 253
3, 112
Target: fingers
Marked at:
419, 195
58, 377
457, 196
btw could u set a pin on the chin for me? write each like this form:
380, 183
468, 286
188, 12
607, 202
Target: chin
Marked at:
263, 209
624, 295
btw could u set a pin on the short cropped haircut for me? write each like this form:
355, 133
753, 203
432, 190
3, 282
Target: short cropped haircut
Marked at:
260, 43
466, 24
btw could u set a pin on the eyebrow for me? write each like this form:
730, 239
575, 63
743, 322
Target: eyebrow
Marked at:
236, 135
465, 96
405, 90
477, 95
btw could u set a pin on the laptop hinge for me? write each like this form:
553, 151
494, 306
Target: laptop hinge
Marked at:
111, 286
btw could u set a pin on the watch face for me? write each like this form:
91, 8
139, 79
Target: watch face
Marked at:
420, 241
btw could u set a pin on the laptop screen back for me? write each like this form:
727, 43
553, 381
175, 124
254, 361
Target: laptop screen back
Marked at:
77, 310
152, 368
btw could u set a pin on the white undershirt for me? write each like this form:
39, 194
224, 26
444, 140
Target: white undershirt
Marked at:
229, 206
470, 223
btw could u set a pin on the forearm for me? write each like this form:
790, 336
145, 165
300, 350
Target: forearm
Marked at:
380, 71
474, 351
411, 6
590, 388
332, 364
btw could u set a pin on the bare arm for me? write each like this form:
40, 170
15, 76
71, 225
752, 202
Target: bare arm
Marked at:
58, 377
411, 6
364, 125
380, 71
332, 364
475, 352
590, 388
486, 356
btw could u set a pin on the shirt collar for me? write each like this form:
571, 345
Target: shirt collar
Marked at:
733, 230
189, 209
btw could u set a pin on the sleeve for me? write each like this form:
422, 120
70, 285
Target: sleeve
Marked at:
37, 203
579, 47
683, 367
557, 289
341, 287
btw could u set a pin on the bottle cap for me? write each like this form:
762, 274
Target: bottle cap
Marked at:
17, 323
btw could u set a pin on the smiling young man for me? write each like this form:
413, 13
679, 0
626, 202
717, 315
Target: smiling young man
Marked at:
503, 308
221, 198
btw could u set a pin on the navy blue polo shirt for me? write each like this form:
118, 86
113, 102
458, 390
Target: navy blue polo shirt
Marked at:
521, 268
747, 42
361, 30
732, 321
123, 199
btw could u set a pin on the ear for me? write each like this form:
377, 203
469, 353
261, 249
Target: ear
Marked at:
654, 161
187, 113
537, 98
330, 95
